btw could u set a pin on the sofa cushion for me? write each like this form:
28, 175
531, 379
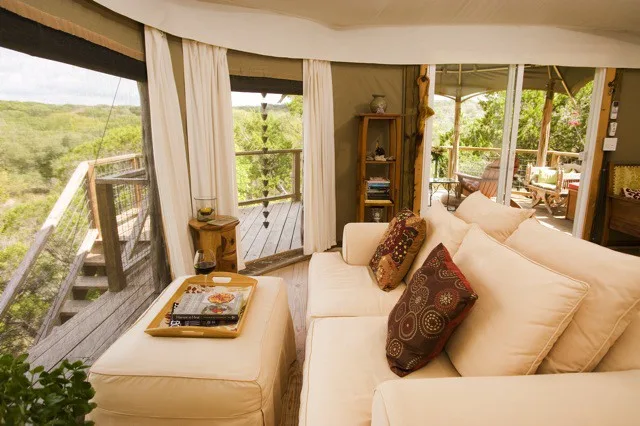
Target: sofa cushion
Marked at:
344, 362
497, 220
522, 309
336, 289
625, 352
398, 247
613, 300
442, 227
552, 400
437, 299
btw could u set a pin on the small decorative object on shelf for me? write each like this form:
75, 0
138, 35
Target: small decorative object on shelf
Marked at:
379, 153
376, 214
378, 105
206, 208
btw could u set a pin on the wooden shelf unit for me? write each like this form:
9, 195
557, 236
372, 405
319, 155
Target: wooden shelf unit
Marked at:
394, 122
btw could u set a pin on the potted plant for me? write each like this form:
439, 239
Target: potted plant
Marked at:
437, 154
34, 396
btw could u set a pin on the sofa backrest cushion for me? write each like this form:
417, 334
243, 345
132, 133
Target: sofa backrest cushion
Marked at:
497, 220
522, 309
625, 352
397, 249
612, 302
442, 227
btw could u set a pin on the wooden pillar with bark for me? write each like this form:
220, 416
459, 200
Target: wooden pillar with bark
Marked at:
423, 114
545, 126
455, 147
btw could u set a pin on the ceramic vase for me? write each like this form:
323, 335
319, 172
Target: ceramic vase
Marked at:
378, 105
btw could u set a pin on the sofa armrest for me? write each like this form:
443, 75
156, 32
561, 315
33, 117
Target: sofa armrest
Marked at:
550, 400
360, 240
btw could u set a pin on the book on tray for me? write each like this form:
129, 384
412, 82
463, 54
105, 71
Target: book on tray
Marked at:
207, 309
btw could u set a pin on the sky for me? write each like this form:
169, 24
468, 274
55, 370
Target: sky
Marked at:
31, 79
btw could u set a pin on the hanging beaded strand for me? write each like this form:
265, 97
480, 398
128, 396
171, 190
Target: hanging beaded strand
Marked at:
264, 160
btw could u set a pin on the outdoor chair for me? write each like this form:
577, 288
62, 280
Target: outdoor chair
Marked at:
551, 184
487, 184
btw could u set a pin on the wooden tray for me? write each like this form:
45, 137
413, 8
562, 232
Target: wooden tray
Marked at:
155, 327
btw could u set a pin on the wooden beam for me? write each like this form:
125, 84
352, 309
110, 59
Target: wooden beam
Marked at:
564, 83
110, 238
423, 94
453, 160
598, 155
545, 126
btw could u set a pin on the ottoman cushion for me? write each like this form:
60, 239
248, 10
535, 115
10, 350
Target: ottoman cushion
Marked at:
162, 380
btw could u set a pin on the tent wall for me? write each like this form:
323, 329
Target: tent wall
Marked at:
85, 19
353, 85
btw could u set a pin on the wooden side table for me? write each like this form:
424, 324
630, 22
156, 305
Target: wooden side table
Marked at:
220, 239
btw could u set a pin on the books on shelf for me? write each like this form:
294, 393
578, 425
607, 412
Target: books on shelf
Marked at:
378, 188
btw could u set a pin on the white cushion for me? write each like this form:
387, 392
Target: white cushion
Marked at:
551, 400
608, 308
336, 289
145, 380
442, 227
522, 309
497, 220
625, 353
345, 361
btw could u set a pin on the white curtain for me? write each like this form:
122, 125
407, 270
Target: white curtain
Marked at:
169, 152
212, 157
319, 193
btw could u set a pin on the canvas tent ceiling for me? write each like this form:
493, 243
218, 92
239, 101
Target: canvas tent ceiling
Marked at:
585, 14
468, 80
583, 33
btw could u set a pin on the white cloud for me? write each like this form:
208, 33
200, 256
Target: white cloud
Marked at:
29, 78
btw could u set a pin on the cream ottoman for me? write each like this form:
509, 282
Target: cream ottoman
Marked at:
142, 379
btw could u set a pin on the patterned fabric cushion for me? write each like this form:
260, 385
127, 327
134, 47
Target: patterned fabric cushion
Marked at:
548, 176
631, 193
398, 247
435, 302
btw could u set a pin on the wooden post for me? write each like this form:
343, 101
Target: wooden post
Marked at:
135, 163
296, 176
453, 160
545, 126
110, 237
93, 200
598, 154
423, 87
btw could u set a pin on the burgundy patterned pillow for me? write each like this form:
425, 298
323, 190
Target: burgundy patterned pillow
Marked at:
631, 193
400, 244
435, 302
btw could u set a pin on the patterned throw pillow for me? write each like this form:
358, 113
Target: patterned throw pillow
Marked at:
399, 245
435, 302
631, 193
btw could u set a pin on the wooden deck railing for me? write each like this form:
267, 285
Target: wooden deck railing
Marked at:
296, 169
555, 155
83, 178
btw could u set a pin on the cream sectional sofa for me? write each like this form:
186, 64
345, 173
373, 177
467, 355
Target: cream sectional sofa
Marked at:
347, 381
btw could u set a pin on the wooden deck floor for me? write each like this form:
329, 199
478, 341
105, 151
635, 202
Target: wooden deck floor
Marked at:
283, 234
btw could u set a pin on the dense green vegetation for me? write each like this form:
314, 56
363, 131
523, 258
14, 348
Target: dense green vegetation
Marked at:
568, 126
41, 146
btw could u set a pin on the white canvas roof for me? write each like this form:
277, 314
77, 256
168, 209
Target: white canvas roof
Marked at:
586, 33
